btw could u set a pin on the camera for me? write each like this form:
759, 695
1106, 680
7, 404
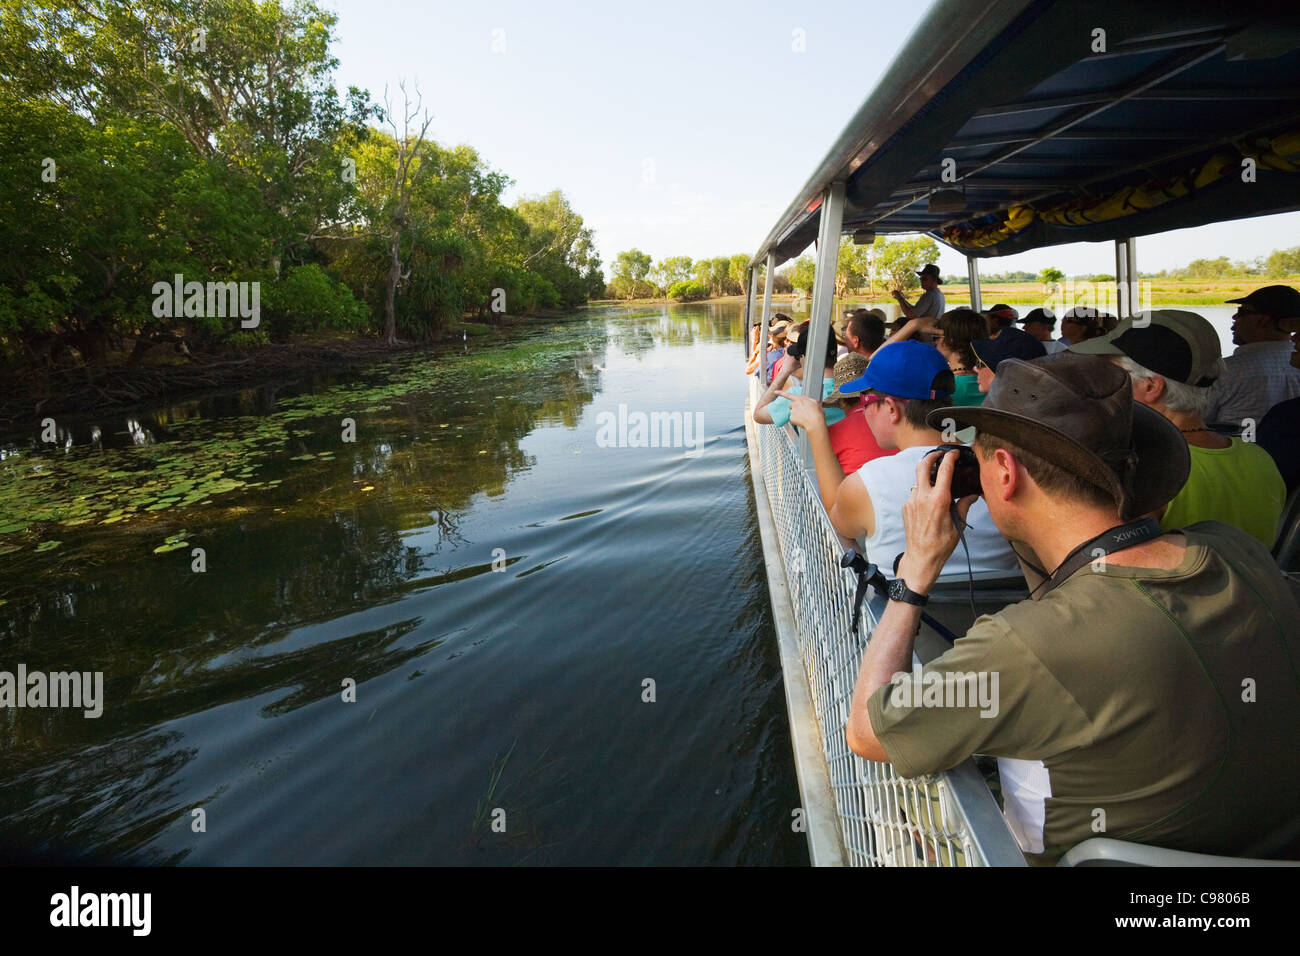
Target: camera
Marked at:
966, 476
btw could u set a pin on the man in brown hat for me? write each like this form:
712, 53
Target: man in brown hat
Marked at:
1126, 700
1259, 373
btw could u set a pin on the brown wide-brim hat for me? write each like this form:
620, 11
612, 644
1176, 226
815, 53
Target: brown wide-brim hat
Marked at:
1078, 412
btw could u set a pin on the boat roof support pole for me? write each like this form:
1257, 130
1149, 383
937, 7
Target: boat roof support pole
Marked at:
819, 328
769, 271
973, 277
1131, 270
751, 287
1123, 284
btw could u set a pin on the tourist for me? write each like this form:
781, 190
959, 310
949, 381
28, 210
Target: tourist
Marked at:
1040, 323
957, 330
1173, 362
1125, 700
929, 306
903, 383
1079, 325
775, 345
842, 448
864, 331
1012, 343
1259, 372
773, 407
1000, 317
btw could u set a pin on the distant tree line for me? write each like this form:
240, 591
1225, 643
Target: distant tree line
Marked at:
871, 269
1278, 264
206, 138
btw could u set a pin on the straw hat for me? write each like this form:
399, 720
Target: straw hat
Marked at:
850, 367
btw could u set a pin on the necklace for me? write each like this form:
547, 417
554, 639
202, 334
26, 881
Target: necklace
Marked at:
1192, 431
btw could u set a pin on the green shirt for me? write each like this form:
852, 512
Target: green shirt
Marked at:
1239, 485
968, 391
1164, 705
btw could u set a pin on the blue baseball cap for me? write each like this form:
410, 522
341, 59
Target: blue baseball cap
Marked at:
904, 370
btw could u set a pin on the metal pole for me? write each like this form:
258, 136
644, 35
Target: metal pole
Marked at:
973, 278
751, 287
819, 328
1131, 270
1121, 277
769, 269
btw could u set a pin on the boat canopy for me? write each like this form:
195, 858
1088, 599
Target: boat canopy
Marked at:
1007, 126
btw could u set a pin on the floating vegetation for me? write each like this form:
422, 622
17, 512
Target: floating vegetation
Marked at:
203, 460
174, 542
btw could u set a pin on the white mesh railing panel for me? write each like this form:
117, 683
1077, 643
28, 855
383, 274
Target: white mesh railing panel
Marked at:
886, 820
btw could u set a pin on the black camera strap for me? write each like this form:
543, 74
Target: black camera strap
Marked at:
1113, 539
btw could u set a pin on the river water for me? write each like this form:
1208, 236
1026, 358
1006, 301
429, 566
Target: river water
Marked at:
559, 643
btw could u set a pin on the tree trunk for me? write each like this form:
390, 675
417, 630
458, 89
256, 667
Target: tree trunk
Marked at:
390, 296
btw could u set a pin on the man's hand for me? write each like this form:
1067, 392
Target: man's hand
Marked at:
805, 411
896, 293
927, 522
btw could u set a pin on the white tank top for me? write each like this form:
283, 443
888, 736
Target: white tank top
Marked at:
889, 481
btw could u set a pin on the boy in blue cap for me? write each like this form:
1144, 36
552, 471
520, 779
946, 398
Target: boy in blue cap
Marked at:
904, 382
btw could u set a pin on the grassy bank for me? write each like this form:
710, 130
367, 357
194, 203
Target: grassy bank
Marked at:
1162, 292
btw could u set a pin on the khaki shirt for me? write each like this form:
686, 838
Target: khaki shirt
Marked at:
1164, 704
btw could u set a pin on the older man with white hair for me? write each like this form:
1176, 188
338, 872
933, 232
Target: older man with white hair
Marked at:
1173, 362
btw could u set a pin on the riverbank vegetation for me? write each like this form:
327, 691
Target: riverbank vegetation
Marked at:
876, 269
181, 181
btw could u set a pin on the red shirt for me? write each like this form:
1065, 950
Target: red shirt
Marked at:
853, 442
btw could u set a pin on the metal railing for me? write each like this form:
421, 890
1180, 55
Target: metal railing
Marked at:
949, 819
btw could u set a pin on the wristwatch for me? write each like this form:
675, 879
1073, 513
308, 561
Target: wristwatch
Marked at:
899, 591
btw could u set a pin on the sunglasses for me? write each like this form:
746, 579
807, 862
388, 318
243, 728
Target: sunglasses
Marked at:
874, 398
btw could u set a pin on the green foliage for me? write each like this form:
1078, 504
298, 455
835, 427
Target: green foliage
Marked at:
1283, 262
207, 138
688, 290
305, 299
630, 270
897, 261
853, 268
1051, 276
672, 270
802, 273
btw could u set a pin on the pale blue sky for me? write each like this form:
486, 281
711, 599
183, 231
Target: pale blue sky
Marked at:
647, 115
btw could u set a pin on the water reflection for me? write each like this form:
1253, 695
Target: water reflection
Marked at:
473, 622
281, 566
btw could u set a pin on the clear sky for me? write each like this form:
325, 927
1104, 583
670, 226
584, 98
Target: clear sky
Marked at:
680, 128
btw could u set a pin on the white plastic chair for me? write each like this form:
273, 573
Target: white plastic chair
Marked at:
1102, 851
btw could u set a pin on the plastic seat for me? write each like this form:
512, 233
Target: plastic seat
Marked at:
1102, 851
